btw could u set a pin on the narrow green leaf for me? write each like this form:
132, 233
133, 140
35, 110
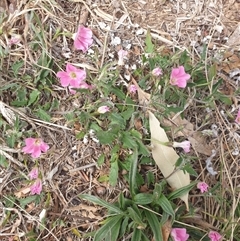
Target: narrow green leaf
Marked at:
23, 202
181, 191
113, 175
137, 234
212, 72
100, 159
149, 45
124, 227
110, 229
166, 206
136, 218
143, 198
112, 208
33, 96
144, 237
157, 192
132, 173
154, 224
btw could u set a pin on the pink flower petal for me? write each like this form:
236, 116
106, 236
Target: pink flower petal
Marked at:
83, 39
33, 174
64, 78
202, 186
179, 77
44, 147
70, 68
36, 188
237, 120
35, 146
103, 109
214, 236
179, 234
157, 71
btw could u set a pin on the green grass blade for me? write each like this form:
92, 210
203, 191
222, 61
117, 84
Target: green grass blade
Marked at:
154, 224
132, 172
102, 203
137, 235
110, 229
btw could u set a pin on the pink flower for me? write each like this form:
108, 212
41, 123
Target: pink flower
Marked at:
179, 234
179, 77
15, 39
237, 120
157, 71
202, 186
133, 89
35, 146
185, 145
33, 174
36, 188
214, 236
83, 38
72, 76
103, 109
121, 55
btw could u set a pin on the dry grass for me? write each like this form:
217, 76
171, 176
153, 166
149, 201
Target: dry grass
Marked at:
70, 167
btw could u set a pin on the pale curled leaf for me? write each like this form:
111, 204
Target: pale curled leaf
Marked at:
166, 157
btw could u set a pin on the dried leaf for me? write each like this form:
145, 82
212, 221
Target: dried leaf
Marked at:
182, 127
166, 230
166, 157
143, 97
7, 113
22, 192
234, 39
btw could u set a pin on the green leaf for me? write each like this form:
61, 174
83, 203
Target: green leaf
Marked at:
117, 120
188, 168
112, 208
137, 234
19, 103
154, 224
224, 98
142, 149
136, 217
3, 161
106, 137
43, 115
149, 45
157, 192
113, 175
23, 202
181, 191
128, 141
33, 96
166, 206
212, 72
101, 159
150, 178
16, 66
127, 114
132, 173
124, 227
110, 229
143, 198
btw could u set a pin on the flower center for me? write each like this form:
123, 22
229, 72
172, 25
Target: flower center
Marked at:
73, 75
37, 142
173, 81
